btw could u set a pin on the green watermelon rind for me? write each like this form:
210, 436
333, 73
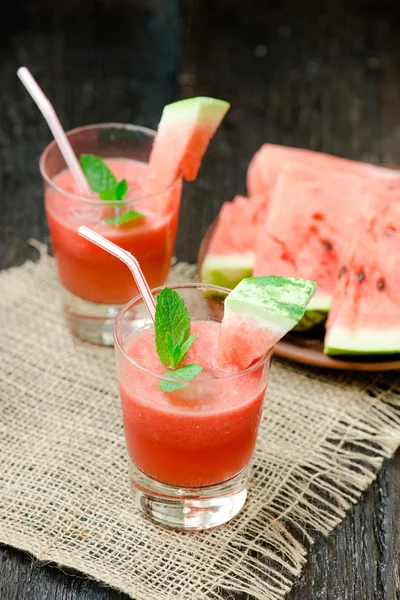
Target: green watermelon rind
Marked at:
320, 302
276, 303
341, 341
316, 313
200, 109
310, 319
227, 270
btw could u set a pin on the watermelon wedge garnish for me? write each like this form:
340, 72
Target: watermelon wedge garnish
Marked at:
230, 253
257, 314
365, 311
183, 135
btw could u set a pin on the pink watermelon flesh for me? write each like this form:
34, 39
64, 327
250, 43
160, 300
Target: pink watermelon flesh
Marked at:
236, 225
365, 311
267, 163
183, 135
309, 215
257, 314
230, 254
242, 343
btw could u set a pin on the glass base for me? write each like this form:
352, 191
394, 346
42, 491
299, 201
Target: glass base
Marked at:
189, 509
89, 321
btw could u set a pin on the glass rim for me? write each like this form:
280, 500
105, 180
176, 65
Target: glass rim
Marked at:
158, 376
98, 202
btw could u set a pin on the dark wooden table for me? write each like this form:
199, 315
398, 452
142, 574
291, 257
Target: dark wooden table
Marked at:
309, 73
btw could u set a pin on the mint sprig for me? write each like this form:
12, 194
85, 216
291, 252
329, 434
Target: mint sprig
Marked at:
173, 338
103, 181
186, 372
127, 217
99, 176
172, 328
117, 193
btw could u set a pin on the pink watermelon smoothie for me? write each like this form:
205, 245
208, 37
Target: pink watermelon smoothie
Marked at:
86, 270
201, 435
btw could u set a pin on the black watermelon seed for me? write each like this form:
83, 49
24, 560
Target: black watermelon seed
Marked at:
380, 284
360, 276
327, 245
389, 231
342, 271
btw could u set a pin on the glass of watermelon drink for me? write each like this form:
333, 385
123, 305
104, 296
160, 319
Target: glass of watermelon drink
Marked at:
95, 285
189, 450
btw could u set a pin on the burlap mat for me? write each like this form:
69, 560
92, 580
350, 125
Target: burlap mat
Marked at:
64, 493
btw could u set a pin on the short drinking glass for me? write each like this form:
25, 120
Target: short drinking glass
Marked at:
95, 285
189, 450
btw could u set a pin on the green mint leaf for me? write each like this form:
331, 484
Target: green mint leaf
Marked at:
186, 372
172, 325
173, 351
121, 190
127, 217
107, 195
176, 357
117, 193
169, 345
185, 347
97, 173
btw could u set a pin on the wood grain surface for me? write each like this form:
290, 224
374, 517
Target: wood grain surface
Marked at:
309, 73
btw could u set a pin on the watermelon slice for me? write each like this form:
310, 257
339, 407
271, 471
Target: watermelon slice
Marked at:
230, 254
267, 163
183, 135
309, 215
365, 312
257, 314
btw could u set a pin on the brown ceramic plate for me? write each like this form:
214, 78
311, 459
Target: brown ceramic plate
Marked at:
307, 348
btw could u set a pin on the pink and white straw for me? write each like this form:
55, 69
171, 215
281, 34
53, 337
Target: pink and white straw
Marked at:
127, 258
53, 122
